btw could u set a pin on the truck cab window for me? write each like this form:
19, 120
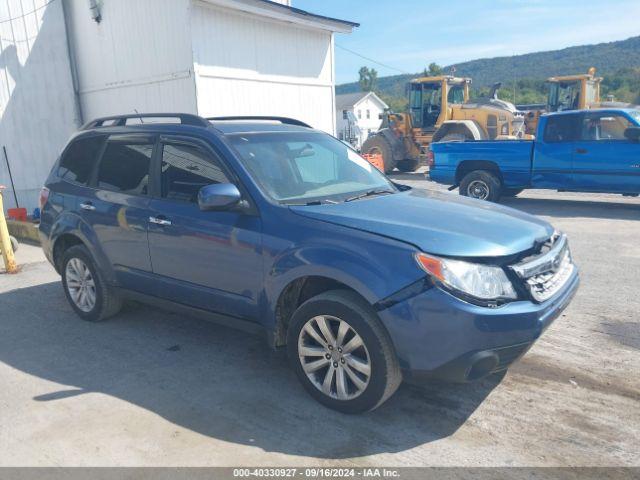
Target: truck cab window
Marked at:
606, 126
561, 128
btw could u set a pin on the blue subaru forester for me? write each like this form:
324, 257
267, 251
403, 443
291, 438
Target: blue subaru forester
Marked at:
268, 225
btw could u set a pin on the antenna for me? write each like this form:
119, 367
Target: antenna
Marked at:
139, 116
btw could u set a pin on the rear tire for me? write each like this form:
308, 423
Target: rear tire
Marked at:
331, 379
407, 165
377, 144
482, 185
84, 286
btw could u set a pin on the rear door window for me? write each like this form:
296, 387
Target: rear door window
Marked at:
186, 169
561, 128
79, 159
125, 166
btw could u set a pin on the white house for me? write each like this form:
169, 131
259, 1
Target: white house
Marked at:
358, 115
64, 62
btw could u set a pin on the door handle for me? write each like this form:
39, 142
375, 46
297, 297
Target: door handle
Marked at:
581, 150
159, 221
87, 206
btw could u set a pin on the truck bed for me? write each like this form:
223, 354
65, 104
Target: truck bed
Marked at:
511, 157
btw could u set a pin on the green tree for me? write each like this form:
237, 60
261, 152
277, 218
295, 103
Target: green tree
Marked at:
434, 70
364, 78
368, 79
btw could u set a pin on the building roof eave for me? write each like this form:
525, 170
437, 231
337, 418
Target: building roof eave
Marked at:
278, 11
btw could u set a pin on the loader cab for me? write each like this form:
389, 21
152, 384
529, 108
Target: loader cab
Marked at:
573, 92
430, 98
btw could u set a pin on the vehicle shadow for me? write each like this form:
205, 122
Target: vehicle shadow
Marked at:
575, 208
213, 380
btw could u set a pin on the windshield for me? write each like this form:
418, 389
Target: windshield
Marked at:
564, 96
635, 114
307, 167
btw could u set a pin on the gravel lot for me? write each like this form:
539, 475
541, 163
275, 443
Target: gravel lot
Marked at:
154, 388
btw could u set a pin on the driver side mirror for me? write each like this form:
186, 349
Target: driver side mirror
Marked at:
633, 134
219, 196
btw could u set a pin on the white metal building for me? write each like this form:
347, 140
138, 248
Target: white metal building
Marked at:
211, 57
358, 115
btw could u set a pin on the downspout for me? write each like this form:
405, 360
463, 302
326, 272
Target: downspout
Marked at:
79, 116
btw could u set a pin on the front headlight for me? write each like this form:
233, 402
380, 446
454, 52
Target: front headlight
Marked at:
482, 282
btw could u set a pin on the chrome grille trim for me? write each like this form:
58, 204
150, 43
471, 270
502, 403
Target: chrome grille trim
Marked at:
545, 275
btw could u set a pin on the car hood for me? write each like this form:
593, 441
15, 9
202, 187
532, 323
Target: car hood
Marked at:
438, 223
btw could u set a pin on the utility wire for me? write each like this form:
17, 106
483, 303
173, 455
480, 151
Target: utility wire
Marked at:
370, 59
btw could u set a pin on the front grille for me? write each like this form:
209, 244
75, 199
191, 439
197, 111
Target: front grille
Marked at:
546, 274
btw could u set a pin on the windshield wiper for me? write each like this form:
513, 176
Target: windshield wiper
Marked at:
313, 202
370, 193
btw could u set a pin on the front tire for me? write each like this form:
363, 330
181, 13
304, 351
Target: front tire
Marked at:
378, 145
341, 352
88, 294
482, 185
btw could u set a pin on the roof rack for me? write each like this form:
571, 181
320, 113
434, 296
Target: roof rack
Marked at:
285, 120
121, 120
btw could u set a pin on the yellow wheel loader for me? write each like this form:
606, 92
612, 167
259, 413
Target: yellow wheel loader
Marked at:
570, 92
439, 110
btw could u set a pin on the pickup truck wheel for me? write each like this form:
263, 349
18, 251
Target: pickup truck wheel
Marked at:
341, 352
378, 145
482, 185
88, 294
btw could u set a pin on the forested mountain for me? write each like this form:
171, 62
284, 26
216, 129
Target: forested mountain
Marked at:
618, 62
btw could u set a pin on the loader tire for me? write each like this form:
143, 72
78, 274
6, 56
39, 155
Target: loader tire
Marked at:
408, 165
379, 145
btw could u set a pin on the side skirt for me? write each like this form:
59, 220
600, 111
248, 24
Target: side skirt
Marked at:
217, 318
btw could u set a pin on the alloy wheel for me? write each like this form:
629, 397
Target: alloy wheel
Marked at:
334, 357
80, 284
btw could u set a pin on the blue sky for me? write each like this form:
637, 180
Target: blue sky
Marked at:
409, 34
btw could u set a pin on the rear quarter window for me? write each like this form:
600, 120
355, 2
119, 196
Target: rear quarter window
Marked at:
79, 159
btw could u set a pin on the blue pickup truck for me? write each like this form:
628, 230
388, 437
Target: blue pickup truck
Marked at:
582, 151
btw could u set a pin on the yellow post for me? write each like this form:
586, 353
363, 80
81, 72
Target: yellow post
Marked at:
5, 241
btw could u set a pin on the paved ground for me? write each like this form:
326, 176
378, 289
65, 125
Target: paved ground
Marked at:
152, 388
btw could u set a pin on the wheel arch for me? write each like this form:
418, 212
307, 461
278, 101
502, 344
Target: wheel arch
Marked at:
468, 128
295, 293
468, 166
71, 230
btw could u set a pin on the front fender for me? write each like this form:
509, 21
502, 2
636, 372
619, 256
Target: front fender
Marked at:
373, 271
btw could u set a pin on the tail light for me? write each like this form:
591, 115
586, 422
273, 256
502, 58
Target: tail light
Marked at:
44, 196
431, 159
